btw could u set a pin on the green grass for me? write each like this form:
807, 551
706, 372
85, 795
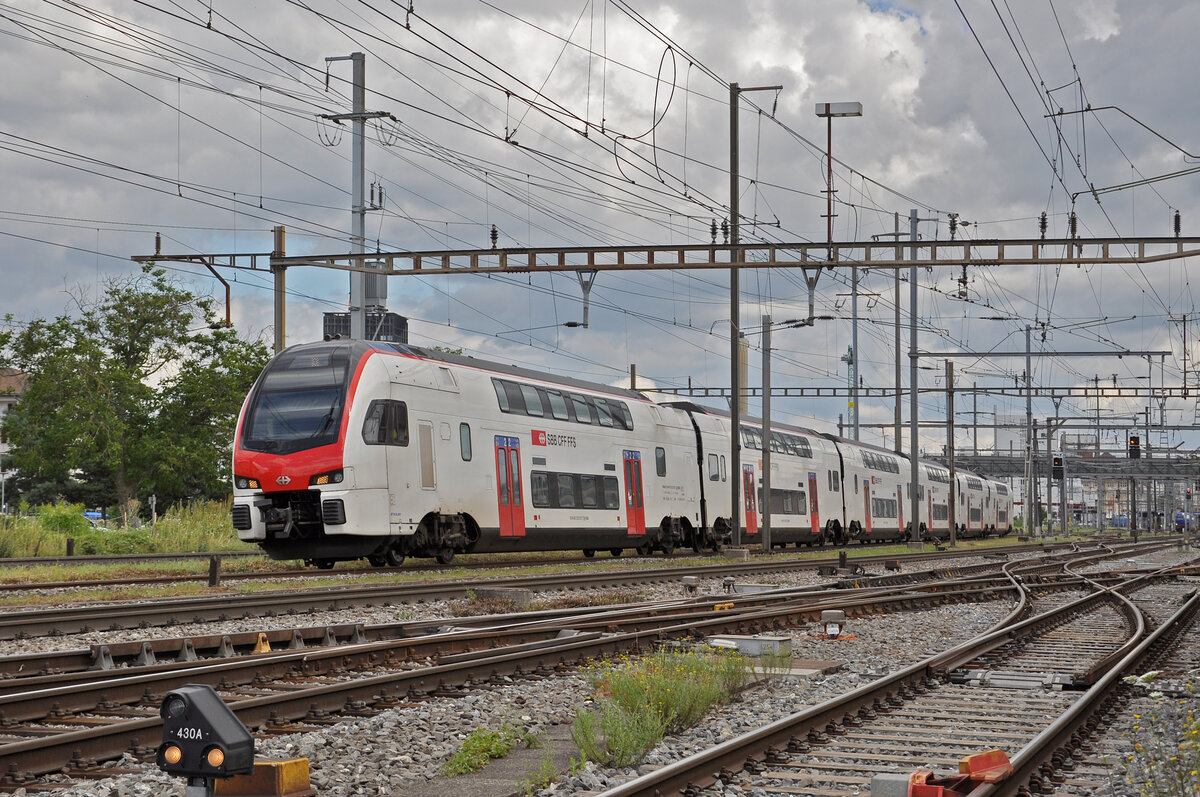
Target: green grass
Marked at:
482, 745
638, 702
775, 665
540, 778
44, 531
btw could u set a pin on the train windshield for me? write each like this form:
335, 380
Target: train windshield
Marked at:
298, 401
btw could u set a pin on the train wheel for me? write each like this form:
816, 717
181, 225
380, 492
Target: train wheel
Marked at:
668, 547
394, 556
615, 551
323, 564
588, 553
377, 560
645, 549
445, 556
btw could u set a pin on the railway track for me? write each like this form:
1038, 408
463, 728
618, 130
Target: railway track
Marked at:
289, 603
74, 721
142, 614
1033, 688
431, 567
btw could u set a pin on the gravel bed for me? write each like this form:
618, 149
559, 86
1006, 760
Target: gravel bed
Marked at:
378, 615
403, 747
348, 758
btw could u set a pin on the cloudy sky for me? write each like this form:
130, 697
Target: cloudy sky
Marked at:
605, 122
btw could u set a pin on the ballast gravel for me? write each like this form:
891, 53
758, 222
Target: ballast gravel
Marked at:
403, 747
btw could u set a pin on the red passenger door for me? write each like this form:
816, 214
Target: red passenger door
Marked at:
814, 513
635, 513
867, 503
750, 500
508, 486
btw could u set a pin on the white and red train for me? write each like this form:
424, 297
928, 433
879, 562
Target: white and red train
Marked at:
352, 449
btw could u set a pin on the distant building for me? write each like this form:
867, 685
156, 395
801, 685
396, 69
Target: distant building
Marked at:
12, 385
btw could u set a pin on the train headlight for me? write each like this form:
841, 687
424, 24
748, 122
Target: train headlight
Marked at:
330, 477
245, 483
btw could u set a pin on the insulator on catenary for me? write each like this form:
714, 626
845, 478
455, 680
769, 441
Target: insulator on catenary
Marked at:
1043, 223
1178, 223
713, 230
495, 236
1074, 224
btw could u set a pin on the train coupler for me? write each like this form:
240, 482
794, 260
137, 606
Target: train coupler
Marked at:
991, 766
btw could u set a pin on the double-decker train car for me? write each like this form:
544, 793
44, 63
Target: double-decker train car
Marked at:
351, 449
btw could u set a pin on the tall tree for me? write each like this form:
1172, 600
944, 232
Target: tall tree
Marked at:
134, 394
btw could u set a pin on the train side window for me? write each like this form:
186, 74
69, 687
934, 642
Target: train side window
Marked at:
621, 414
501, 395
602, 411
386, 423
539, 488
516, 401
714, 471
612, 493
533, 402
565, 489
588, 492
660, 461
558, 405
464, 441
583, 413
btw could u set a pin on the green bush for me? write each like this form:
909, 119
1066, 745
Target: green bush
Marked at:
44, 531
63, 519
639, 702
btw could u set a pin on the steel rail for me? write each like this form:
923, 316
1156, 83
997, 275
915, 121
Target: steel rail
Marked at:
55, 695
421, 568
21, 624
1052, 746
79, 748
702, 769
106, 656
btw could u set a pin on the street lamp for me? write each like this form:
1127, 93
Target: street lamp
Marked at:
828, 110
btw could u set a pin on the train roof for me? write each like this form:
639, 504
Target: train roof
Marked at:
499, 369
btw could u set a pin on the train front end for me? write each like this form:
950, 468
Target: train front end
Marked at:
293, 492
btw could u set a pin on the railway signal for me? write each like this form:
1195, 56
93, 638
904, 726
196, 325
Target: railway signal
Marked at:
1057, 469
1135, 447
202, 739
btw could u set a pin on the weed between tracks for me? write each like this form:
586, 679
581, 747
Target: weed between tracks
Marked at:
482, 745
637, 702
1164, 745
